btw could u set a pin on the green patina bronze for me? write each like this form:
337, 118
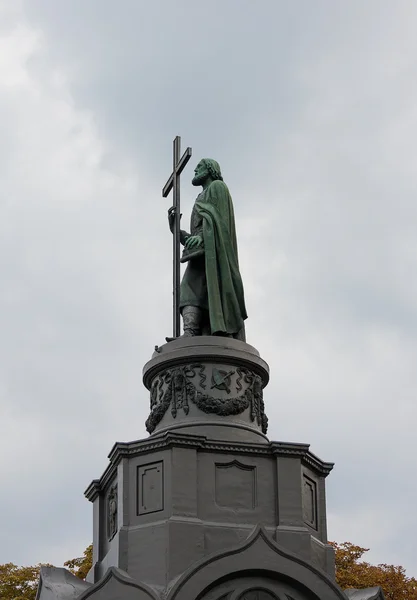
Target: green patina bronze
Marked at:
211, 293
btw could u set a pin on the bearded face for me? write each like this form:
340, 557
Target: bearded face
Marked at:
200, 174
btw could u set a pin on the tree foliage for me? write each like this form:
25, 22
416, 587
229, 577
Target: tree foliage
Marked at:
18, 583
21, 583
352, 572
80, 566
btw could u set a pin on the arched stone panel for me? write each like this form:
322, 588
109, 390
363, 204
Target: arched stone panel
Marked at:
256, 563
256, 587
117, 584
257, 594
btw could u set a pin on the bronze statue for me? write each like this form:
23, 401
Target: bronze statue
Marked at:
211, 293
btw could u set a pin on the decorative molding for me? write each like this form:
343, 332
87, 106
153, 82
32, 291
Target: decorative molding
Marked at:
307, 457
245, 357
171, 439
93, 490
321, 467
231, 448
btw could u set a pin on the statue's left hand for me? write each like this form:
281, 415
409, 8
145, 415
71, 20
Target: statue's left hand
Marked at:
194, 241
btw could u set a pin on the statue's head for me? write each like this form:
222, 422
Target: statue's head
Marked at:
206, 168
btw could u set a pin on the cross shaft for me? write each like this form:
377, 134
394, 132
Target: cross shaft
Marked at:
173, 184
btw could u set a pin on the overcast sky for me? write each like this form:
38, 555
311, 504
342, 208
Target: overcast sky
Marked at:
311, 109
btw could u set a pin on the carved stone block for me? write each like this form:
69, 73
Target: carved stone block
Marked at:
177, 388
112, 512
204, 378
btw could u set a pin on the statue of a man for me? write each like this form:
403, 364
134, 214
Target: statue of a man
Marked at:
211, 295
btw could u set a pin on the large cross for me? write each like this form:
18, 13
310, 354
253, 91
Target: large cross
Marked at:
173, 183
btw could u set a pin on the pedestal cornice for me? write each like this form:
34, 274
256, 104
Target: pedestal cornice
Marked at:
201, 443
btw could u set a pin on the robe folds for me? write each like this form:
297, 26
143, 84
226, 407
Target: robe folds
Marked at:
212, 281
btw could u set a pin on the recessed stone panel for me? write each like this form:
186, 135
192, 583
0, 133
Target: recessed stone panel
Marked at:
150, 488
309, 502
235, 486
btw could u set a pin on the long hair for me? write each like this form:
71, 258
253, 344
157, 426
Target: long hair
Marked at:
213, 168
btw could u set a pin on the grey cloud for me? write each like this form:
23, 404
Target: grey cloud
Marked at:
310, 111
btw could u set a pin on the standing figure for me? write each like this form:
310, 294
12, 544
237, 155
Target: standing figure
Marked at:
211, 294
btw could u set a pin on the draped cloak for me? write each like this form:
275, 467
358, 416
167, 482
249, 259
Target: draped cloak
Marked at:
212, 281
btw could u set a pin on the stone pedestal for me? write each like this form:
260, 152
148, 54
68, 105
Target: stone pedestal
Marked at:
208, 482
207, 508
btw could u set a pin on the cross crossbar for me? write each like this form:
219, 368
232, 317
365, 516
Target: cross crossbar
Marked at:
180, 167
